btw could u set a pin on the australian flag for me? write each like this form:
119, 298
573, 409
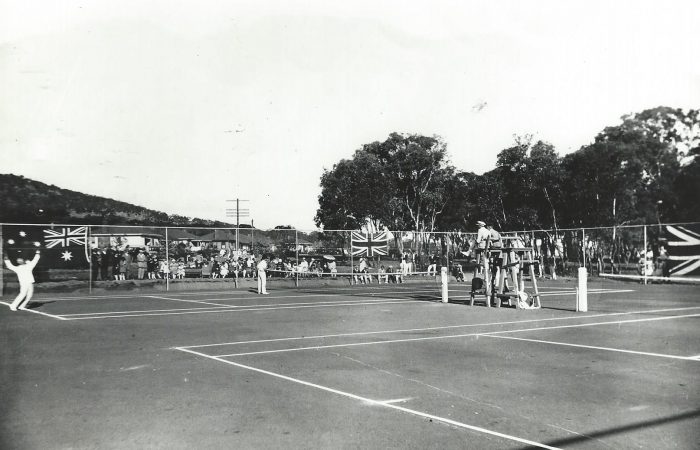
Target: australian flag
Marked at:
62, 247
371, 244
683, 249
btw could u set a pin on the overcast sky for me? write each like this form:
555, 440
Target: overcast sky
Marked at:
181, 105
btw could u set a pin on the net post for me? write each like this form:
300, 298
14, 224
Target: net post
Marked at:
582, 291
583, 245
443, 277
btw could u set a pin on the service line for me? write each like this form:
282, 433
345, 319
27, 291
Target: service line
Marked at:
463, 335
593, 347
446, 327
245, 308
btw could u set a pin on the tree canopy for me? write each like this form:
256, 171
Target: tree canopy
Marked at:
644, 170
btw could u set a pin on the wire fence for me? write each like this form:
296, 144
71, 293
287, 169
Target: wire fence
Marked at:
88, 257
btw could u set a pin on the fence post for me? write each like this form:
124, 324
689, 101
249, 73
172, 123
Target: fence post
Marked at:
352, 262
90, 250
644, 256
296, 257
167, 261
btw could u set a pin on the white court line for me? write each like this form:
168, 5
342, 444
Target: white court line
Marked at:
38, 312
224, 307
186, 300
453, 336
408, 330
591, 324
374, 402
243, 308
593, 347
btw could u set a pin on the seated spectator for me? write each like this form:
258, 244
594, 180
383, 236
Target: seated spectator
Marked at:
223, 269
181, 269
163, 269
304, 267
458, 273
172, 266
366, 277
381, 275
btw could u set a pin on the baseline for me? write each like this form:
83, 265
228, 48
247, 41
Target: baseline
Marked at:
53, 316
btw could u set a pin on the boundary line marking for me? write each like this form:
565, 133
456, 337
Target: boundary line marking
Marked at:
201, 302
371, 401
620, 350
486, 334
227, 309
405, 330
224, 308
38, 312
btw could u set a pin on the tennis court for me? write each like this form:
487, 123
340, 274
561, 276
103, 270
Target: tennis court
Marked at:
365, 366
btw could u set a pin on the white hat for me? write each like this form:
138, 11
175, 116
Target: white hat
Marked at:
481, 223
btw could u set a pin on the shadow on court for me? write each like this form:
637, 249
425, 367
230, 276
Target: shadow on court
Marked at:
643, 425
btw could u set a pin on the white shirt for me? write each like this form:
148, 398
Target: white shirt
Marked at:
262, 265
24, 271
482, 236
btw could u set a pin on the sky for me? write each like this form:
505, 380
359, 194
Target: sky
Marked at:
180, 106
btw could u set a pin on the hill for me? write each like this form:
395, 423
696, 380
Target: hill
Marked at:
29, 201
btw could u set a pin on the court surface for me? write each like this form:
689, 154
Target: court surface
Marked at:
358, 367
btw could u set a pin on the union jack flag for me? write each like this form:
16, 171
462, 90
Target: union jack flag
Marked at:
369, 244
684, 249
65, 237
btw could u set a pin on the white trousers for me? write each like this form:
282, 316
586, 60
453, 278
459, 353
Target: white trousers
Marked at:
26, 290
262, 282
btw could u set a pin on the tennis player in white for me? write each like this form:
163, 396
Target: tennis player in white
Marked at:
262, 277
26, 280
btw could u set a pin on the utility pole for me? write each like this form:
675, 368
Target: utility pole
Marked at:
238, 213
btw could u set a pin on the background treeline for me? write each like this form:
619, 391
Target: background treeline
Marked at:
644, 170
29, 201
